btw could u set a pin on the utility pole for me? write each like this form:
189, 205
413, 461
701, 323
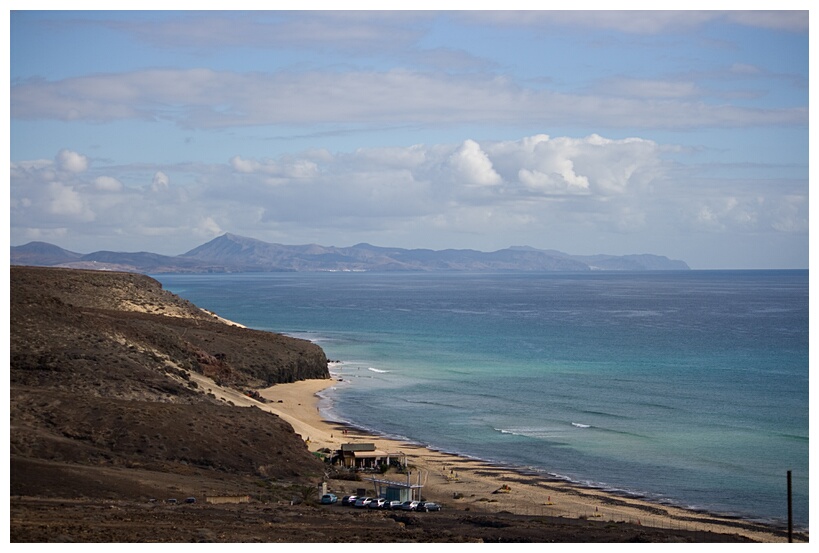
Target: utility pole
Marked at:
790, 510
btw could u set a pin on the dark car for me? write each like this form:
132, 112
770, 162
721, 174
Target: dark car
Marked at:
430, 506
349, 500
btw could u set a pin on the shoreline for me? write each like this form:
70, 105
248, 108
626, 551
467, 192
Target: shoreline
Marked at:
477, 483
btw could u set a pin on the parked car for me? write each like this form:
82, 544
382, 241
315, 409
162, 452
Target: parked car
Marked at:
395, 504
430, 506
190, 499
329, 498
349, 500
377, 503
409, 505
362, 501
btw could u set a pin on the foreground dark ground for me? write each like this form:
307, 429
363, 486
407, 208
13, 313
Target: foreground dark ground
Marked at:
55, 520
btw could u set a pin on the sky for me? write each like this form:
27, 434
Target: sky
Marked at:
677, 133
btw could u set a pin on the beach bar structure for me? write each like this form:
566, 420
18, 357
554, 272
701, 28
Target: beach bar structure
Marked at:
397, 491
365, 455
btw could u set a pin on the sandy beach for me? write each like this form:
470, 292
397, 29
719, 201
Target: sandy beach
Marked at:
468, 484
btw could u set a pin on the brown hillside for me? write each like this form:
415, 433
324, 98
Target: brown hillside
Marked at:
100, 379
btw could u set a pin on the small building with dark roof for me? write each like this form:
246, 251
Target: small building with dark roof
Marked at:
365, 455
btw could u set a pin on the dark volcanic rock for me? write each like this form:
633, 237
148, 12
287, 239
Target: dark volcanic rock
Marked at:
100, 379
93, 319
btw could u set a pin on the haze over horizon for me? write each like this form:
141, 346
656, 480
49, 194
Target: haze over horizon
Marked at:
677, 133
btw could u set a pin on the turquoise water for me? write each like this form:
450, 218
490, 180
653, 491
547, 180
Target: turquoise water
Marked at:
689, 388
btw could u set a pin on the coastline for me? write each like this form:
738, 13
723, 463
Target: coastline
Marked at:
476, 483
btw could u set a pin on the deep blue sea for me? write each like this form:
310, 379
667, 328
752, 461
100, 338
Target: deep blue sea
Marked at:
689, 388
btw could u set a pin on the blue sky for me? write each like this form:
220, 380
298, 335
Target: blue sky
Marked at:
679, 133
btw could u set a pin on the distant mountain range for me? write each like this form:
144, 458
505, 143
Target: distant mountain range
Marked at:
230, 253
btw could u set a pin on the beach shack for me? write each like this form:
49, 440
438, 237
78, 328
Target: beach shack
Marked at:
365, 455
397, 491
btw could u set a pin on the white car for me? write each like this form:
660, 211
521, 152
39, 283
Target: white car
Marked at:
377, 503
362, 501
410, 505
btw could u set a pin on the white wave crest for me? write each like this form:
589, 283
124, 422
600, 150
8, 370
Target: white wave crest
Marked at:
533, 432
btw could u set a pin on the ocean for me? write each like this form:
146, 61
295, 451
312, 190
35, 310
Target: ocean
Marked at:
684, 388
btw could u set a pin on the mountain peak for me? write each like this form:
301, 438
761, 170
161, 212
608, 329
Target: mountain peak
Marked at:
42, 253
230, 237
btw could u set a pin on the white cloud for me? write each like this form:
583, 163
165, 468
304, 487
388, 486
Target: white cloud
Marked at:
425, 179
472, 165
244, 165
30, 165
744, 69
395, 157
160, 182
565, 182
790, 214
208, 228
795, 21
515, 184
537, 186
53, 235
63, 200
203, 98
286, 169
650, 88
107, 184
352, 30
751, 213
72, 161
578, 165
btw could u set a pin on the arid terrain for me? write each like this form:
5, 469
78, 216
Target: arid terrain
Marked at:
112, 418
87, 520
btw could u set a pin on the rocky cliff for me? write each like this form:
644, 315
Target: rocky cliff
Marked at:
103, 399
